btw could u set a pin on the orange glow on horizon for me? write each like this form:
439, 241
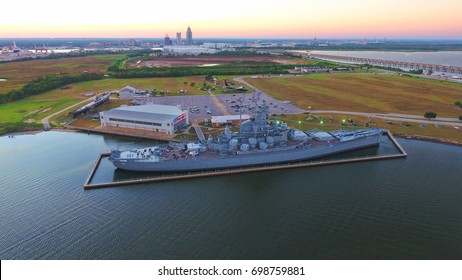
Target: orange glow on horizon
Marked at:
243, 19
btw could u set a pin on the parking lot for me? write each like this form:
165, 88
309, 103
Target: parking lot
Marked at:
202, 102
245, 102
235, 103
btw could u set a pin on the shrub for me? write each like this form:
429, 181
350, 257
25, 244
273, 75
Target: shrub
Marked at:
430, 115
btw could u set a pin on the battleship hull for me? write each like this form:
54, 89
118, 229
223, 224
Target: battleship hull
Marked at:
253, 158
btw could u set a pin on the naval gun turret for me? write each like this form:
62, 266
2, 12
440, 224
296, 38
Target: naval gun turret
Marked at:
256, 133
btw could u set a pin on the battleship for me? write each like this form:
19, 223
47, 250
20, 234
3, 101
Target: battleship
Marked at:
259, 142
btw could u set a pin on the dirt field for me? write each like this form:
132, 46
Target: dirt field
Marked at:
216, 60
19, 73
365, 93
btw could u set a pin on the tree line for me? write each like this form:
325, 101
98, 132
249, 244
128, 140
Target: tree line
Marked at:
46, 83
117, 72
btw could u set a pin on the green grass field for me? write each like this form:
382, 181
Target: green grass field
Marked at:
365, 93
332, 122
22, 72
42, 105
173, 85
35, 108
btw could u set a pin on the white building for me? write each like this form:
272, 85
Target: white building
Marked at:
312, 69
161, 118
187, 50
221, 120
127, 92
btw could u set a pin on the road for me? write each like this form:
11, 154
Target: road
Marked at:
447, 78
394, 117
45, 121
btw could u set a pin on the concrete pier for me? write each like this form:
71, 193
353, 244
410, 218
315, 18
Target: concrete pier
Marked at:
88, 185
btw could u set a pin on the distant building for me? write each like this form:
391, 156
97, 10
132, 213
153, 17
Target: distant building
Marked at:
315, 42
178, 38
218, 121
311, 69
217, 45
95, 45
132, 43
127, 92
159, 118
15, 48
189, 39
167, 40
187, 50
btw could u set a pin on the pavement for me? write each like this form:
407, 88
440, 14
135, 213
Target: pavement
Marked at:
130, 132
275, 106
395, 117
438, 77
219, 104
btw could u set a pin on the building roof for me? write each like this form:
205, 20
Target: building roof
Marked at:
223, 119
154, 111
130, 88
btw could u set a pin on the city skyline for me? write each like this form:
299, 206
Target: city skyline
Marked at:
243, 19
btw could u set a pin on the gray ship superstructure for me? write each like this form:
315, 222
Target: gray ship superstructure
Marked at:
259, 142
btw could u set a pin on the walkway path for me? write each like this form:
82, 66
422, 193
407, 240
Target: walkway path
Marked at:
219, 104
198, 130
45, 121
129, 132
242, 81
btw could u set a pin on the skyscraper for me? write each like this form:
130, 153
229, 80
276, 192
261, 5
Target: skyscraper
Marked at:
178, 38
189, 40
167, 41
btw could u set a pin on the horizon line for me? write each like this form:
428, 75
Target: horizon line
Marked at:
254, 38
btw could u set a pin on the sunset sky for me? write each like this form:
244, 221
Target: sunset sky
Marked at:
233, 19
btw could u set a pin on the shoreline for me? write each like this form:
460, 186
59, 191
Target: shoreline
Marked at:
36, 131
403, 136
429, 139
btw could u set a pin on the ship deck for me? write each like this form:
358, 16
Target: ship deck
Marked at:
174, 152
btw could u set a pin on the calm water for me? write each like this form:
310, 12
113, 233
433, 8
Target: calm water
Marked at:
394, 209
452, 58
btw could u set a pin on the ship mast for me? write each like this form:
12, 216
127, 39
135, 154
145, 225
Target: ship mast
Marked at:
240, 108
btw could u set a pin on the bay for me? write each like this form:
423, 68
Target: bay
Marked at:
394, 209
